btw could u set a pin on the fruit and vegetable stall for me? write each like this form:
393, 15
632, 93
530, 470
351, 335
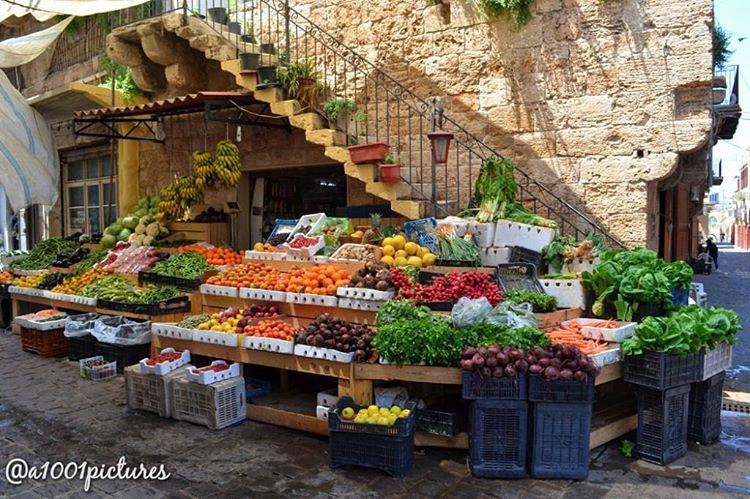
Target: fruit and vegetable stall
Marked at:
487, 332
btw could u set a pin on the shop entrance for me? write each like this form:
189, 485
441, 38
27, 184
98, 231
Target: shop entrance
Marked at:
292, 192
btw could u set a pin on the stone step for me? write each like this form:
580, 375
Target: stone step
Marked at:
389, 191
308, 121
326, 137
407, 208
365, 173
284, 107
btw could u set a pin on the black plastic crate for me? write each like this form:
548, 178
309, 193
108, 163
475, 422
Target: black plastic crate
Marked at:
477, 387
523, 255
255, 387
560, 440
542, 390
171, 306
662, 424
457, 263
81, 347
518, 276
660, 370
498, 438
438, 306
163, 280
437, 422
386, 448
704, 412
648, 310
124, 355
680, 297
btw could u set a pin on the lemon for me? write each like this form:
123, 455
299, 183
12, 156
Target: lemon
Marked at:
399, 242
388, 241
395, 410
347, 413
203, 326
382, 421
414, 261
392, 419
429, 259
372, 410
258, 247
360, 419
411, 248
400, 261
401, 253
405, 413
371, 420
389, 250
422, 251
388, 260
384, 412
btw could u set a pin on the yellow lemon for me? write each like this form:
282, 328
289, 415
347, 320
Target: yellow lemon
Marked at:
382, 421
258, 247
388, 260
405, 413
395, 410
414, 261
411, 248
384, 412
401, 253
360, 419
372, 410
389, 250
400, 261
347, 413
388, 241
392, 419
399, 242
422, 251
429, 259
371, 420
363, 412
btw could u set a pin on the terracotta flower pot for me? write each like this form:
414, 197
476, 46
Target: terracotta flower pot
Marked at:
390, 173
369, 153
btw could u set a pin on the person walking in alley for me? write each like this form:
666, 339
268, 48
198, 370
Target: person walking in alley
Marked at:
713, 251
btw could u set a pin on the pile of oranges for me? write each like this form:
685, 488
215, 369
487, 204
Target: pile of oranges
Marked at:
272, 328
252, 275
318, 280
75, 285
6, 277
215, 257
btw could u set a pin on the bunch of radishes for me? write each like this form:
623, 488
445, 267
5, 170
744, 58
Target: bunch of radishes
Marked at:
455, 285
551, 363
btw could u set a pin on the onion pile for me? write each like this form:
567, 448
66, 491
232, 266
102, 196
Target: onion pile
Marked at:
551, 363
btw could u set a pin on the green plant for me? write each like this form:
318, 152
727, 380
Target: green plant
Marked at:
123, 78
432, 341
518, 10
721, 50
391, 159
300, 81
482, 334
540, 302
333, 107
395, 310
554, 251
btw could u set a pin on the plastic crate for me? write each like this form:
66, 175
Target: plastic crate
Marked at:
171, 306
124, 355
81, 347
523, 255
476, 387
255, 387
560, 440
437, 422
215, 406
498, 438
648, 310
704, 412
569, 293
680, 297
662, 424
712, 362
542, 390
97, 373
148, 392
52, 343
386, 448
518, 276
509, 233
660, 370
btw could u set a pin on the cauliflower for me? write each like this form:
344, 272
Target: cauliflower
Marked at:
146, 219
140, 228
152, 229
164, 230
138, 239
147, 240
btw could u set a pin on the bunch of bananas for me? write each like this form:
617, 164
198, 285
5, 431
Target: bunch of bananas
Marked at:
188, 191
227, 163
169, 204
203, 162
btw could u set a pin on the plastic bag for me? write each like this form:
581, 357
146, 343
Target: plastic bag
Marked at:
388, 397
81, 325
122, 331
512, 314
467, 311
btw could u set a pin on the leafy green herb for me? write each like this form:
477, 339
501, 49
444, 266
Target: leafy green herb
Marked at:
540, 302
395, 310
501, 334
554, 251
432, 341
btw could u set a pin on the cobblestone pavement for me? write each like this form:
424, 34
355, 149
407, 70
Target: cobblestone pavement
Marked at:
48, 413
730, 287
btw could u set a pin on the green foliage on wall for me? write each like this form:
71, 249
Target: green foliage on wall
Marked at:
721, 47
123, 78
518, 10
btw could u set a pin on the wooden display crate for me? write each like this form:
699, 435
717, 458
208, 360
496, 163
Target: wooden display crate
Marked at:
218, 233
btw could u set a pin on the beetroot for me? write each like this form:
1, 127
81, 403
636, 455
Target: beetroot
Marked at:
522, 366
536, 369
566, 374
580, 376
510, 372
467, 365
544, 362
478, 360
502, 359
469, 352
551, 373
482, 351
555, 362
539, 352
515, 355
498, 372
493, 350
530, 359
491, 362
486, 372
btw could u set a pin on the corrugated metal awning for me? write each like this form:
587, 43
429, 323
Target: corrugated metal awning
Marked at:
184, 103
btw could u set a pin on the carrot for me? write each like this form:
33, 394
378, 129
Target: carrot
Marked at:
571, 335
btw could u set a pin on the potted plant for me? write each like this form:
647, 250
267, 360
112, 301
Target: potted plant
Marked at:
268, 48
339, 112
300, 81
249, 61
267, 77
390, 169
217, 15
248, 37
366, 151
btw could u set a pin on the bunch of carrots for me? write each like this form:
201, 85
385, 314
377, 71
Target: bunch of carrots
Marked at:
573, 336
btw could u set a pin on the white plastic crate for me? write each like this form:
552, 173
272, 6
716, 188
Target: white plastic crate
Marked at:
216, 338
312, 220
484, 233
365, 294
623, 331
308, 251
216, 405
355, 304
323, 353
265, 255
171, 330
19, 290
337, 255
41, 326
148, 392
310, 299
267, 344
328, 398
568, 292
26, 273
263, 294
97, 373
81, 300
321, 412
716, 360
606, 357
321, 259
579, 265
290, 257
527, 236
210, 289
492, 257
165, 367
210, 377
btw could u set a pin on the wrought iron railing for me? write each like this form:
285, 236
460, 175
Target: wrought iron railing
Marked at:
731, 76
387, 110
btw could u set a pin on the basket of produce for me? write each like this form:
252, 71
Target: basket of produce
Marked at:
216, 257
281, 231
611, 331
262, 251
541, 303
270, 335
454, 250
172, 330
441, 291
212, 289
356, 253
304, 246
330, 338
45, 320
219, 370
168, 360
96, 368
185, 270
305, 224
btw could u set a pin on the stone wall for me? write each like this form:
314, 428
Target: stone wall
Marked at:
596, 99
